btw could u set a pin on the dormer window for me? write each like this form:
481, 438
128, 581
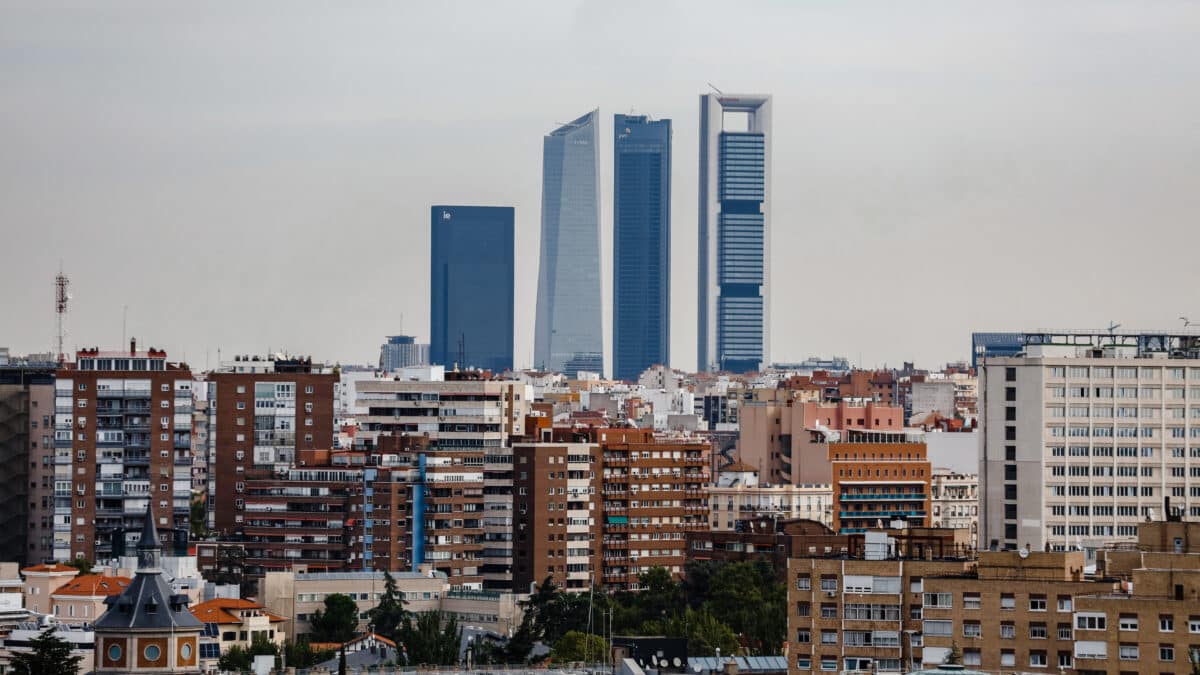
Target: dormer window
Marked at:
152, 607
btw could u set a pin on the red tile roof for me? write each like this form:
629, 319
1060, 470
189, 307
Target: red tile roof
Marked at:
218, 610
94, 585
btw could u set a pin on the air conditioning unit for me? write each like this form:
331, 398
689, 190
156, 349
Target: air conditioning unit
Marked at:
831, 594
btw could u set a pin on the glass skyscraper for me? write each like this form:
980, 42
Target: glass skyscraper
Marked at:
641, 244
471, 287
735, 223
567, 336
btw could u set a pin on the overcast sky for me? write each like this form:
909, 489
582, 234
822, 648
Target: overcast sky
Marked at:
258, 175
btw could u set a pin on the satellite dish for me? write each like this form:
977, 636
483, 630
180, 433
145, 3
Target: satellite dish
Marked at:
1024, 553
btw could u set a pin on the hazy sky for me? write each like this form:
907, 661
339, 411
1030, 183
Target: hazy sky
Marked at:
255, 175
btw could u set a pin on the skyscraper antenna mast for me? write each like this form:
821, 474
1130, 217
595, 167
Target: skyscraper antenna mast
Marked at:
61, 296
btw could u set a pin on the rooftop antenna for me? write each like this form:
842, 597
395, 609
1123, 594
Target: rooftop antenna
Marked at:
61, 296
124, 323
1186, 321
1112, 327
714, 88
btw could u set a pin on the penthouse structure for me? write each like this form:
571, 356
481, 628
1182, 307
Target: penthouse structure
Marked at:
1086, 434
123, 422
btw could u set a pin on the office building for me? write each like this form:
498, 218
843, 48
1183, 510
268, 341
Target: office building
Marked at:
27, 465
734, 312
471, 287
402, 351
567, 336
1085, 435
123, 427
262, 410
641, 244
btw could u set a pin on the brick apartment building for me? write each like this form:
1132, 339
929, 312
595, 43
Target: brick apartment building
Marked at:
261, 412
122, 444
878, 477
628, 498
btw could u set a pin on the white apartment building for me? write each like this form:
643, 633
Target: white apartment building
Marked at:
955, 501
1087, 435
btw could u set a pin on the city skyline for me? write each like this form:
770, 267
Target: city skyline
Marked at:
929, 147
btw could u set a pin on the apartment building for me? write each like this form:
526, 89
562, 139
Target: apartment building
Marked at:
1014, 611
653, 490
775, 432
27, 478
262, 410
737, 496
558, 514
1087, 434
862, 612
295, 595
123, 422
955, 499
878, 477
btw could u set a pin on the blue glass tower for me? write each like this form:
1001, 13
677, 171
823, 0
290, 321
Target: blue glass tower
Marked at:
641, 244
567, 335
734, 308
471, 287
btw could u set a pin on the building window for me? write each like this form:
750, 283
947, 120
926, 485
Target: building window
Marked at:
1007, 601
1008, 658
1128, 652
1166, 623
1008, 631
1037, 603
803, 583
1128, 622
829, 584
971, 601
1166, 652
803, 636
1037, 631
829, 637
972, 629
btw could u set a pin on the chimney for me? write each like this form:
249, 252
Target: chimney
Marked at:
133, 346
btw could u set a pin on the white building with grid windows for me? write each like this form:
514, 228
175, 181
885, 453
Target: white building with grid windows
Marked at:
1088, 434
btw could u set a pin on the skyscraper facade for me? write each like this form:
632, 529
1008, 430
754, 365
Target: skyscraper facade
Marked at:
402, 351
734, 232
471, 287
641, 244
567, 335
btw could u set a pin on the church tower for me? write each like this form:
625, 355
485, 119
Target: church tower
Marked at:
148, 630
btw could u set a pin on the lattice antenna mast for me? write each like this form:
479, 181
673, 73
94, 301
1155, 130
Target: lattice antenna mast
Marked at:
61, 296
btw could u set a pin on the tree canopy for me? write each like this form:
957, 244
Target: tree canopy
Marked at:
338, 622
432, 638
238, 659
389, 615
578, 646
48, 655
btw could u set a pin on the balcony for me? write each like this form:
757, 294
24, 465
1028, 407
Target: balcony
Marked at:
883, 496
880, 514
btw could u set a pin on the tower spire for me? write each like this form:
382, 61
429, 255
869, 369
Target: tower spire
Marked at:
149, 549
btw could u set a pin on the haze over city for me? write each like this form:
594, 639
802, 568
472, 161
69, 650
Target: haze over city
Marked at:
262, 178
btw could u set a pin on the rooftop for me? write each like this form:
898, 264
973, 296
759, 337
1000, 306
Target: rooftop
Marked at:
94, 585
220, 610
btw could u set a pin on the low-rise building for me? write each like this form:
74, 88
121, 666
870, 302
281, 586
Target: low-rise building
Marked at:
41, 581
234, 622
81, 600
295, 596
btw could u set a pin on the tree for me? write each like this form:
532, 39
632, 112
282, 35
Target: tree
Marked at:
199, 516
338, 622
433, 638
521, 643
954, 656
48, 655
82, 564
748, 597
300, 654
238, 659
388, 616
578, 646
705, 633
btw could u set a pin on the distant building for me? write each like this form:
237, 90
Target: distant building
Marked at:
641, 244
471, 287
27, 493
933, 396
734, 232
402, 351
567, 335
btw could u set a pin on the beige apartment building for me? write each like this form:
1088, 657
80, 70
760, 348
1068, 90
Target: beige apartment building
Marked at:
737, 495
296, 595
